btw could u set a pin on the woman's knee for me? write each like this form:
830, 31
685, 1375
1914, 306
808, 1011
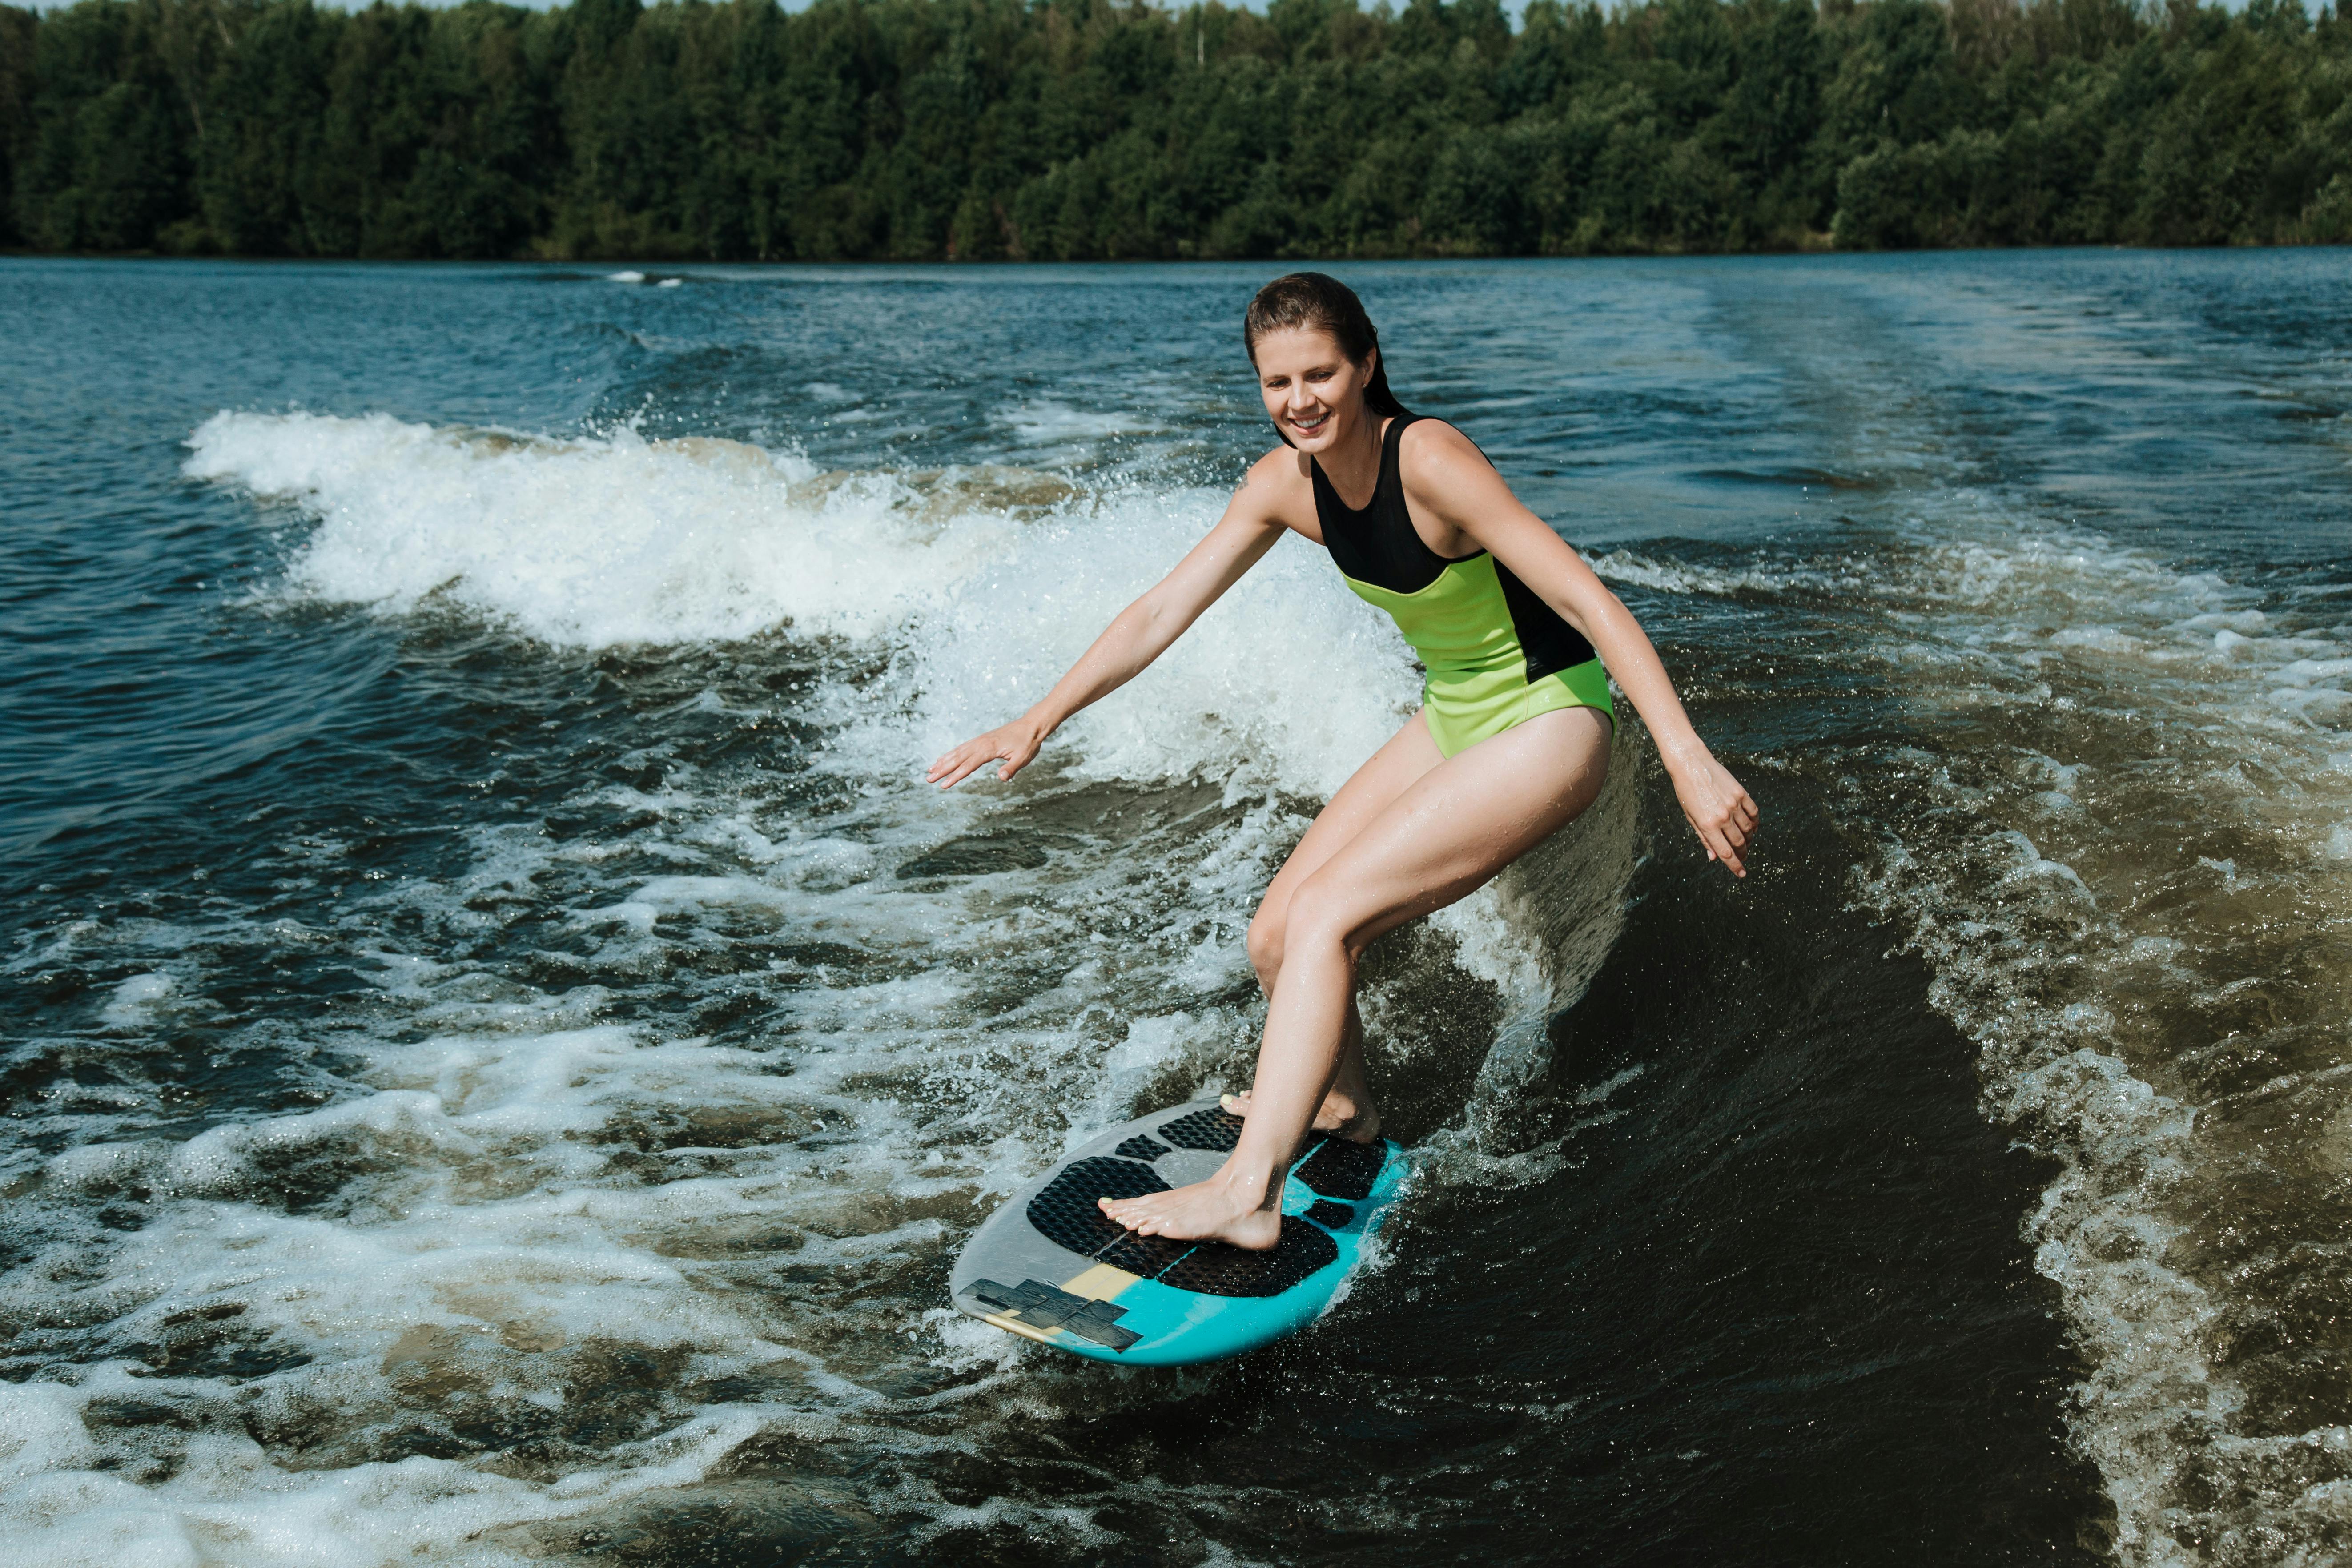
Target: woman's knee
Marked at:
1264, 942
1318, 918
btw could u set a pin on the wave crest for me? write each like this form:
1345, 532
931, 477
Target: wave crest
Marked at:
983, 585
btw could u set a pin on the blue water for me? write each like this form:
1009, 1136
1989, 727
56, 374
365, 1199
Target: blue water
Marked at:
501, 1047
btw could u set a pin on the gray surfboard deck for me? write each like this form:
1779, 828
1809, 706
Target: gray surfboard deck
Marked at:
1052, 1267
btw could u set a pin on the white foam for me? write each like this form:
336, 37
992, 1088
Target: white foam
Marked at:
136, 1001
605, 540
226, 1500
1644, 571
1288, 680
592, 543
521, 1191
1050, 424
499, 1226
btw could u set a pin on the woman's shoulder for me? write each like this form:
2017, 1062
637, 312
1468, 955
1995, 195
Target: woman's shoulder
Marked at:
1280, 471
1277, 492
1431, 448
1426, 433
1280, 462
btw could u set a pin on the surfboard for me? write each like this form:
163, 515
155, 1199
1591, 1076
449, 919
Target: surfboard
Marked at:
1052, 1267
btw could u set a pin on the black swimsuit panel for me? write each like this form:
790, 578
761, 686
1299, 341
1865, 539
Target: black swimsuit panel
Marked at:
1379, 545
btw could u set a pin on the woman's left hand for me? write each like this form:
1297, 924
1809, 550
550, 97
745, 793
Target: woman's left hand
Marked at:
1720, 812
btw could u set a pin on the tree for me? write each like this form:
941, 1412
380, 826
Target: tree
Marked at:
1105, 129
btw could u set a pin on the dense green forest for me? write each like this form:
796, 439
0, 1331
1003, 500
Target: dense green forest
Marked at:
1067, 129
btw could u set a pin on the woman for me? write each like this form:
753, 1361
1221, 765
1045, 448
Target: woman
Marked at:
1510, 744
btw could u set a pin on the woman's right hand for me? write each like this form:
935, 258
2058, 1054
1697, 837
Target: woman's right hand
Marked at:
1013, 744
1721, 813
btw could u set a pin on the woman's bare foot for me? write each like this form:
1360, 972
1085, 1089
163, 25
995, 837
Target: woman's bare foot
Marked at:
1213, 1210
1339, 1115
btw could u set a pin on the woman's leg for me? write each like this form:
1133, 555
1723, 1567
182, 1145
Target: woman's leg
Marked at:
1386, 774
1449, 832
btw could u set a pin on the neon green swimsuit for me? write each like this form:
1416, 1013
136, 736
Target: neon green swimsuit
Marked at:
1495, 654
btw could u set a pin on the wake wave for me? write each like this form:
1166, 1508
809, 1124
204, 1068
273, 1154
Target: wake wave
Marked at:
984, 584
2121, 857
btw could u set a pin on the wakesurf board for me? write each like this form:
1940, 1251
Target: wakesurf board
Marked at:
1052, 1267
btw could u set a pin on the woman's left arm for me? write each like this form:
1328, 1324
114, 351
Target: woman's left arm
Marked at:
1451, 479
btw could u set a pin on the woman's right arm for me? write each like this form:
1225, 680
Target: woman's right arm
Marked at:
1142, 632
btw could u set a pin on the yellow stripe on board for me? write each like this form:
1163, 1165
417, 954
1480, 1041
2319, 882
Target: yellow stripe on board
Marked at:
1101, 1282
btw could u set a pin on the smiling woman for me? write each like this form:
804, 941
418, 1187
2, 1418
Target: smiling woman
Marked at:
1511, 742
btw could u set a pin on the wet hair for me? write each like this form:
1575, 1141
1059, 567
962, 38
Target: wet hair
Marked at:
1320, 301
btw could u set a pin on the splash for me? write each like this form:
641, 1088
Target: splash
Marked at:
545, 1253
981, 585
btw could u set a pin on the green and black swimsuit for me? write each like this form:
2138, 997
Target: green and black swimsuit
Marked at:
1496, 653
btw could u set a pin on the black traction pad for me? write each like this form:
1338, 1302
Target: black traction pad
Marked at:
1214, 1129
1140, 1148
1342, 1169
1213, 1269
1065, 1213
1331, 1216
1049, 1306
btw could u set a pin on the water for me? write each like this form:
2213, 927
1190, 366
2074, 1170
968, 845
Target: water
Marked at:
502, 1048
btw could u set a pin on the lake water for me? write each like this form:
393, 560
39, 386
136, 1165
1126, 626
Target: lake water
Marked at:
502, 1046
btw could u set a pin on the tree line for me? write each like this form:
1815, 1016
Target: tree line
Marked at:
1083, 129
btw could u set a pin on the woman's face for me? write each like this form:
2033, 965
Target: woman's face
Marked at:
1314, 393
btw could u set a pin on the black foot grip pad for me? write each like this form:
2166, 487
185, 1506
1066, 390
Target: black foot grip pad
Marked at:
1213, 1269
1341, 1169
1214, 1129
1065, 1213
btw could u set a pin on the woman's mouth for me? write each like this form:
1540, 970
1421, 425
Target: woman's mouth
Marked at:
1307, 425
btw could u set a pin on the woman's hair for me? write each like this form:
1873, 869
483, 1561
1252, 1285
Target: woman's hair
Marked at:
1317, 300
